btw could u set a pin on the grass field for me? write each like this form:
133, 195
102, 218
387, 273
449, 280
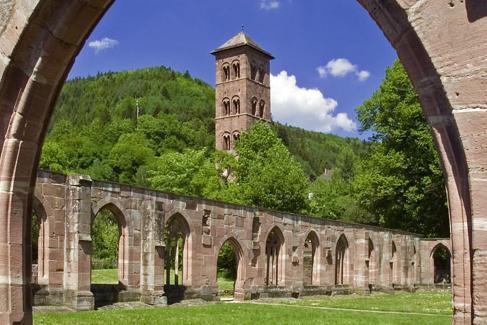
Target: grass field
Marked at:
400, 308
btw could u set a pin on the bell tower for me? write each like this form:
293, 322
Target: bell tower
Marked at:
242, 88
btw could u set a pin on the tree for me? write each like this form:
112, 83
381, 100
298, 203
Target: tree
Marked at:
266, 173
400, 180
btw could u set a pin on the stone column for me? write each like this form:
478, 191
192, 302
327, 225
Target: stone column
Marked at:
361, 256
153, 255
77, 263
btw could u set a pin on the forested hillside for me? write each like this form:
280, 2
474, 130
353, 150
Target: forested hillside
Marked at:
96, 118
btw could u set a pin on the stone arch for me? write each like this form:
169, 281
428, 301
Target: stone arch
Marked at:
226, 106
124, 236
225, 72
372, 263
311, 259
440, 260
236, 69
239, 290
40, 49
261, 108
226, 141
235, 137
275, 254
342, 261
236, 105
253, 104
178, 237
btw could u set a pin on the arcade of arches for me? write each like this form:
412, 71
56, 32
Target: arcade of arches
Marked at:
169, 245
443, 46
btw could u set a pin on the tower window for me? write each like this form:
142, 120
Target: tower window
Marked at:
253, 72
236, 136
254, 106
226, 141
261, 74
226, 107
236, 69
226, 72
261, 109
236, 105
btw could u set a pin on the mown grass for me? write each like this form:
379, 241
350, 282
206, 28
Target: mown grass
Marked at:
104, 276
434, 302
302, 311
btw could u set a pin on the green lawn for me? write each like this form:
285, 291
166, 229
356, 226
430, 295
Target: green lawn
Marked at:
106, 276
401, 308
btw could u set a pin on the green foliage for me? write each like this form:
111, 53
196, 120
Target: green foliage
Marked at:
400, 180
267, 174
105, 235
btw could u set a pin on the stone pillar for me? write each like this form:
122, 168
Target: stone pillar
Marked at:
153, 255
361, 258
77, 263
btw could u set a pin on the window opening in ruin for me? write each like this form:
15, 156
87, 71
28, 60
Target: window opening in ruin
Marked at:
228, 263
108, 252
341, 261
371, 263
310, 260
275, 264
226, 107
441, 263
176, 256
393, 265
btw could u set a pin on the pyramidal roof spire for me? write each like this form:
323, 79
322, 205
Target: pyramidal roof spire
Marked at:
241, 39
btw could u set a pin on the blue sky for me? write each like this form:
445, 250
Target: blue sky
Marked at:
330, 55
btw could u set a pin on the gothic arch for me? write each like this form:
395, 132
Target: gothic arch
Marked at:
123, 232
342, 261
395, 276
311, 259
177, 232
40, 50
440, 260
41, 252
275, 255
241, 262
372, 263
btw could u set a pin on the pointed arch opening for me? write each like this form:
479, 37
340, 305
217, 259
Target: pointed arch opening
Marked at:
311, 263
441, 264
275, 258
109, 251
342, 261
393, 264
230, 270
371, 264
177, 266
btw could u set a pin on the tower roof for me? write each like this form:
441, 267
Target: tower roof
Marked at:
241, 39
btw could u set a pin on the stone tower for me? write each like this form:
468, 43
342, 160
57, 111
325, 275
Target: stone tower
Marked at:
242, 88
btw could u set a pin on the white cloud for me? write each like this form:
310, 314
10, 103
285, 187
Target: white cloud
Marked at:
305, 107
269, 4
363, 75
340, 68
103, 44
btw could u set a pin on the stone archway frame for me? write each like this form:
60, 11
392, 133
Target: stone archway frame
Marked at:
242, 262
282, 256
40, 39
316, 271
126, 236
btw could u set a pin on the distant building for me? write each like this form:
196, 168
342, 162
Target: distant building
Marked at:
242, 88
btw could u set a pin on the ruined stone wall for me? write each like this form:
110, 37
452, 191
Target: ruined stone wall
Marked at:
72, 202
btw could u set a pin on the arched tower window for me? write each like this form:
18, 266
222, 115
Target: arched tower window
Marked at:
253, 71
254, 105
236, 136
236, 105
226, 107
226, 141
261, 74
226, 72
261, 109
236, 69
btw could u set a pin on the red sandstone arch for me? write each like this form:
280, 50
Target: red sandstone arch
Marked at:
441, 44
275, 255
123, 239
312, 276
179, 222
342, 261
239, 290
